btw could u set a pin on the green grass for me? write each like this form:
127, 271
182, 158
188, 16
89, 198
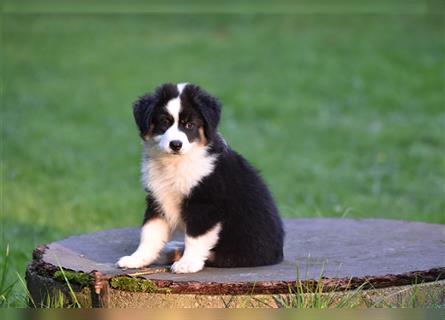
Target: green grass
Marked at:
7, 283
343, 114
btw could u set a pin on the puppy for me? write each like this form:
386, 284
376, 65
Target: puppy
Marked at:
196, 182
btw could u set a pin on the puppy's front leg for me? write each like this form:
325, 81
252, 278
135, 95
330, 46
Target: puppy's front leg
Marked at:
197, 250
154, 235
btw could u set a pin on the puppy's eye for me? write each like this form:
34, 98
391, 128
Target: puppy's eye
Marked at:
189, 125
164, 122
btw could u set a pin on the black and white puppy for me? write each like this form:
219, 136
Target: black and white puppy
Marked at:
197, 183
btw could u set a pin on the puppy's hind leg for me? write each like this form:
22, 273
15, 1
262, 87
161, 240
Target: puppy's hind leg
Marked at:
154, 235
197, 251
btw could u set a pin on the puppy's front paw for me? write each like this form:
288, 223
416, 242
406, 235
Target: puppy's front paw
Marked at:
131, 262
187, 266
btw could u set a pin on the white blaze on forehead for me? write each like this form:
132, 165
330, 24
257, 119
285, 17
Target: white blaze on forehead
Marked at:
181, 86
173, 133
174, 107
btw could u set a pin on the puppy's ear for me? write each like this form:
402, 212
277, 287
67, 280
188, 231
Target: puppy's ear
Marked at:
143, 112
143, 109
209, 107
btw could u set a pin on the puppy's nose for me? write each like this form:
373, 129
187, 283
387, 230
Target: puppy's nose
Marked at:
175, 145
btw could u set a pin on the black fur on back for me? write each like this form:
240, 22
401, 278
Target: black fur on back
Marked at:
235, 195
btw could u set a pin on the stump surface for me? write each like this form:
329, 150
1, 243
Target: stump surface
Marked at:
342, 251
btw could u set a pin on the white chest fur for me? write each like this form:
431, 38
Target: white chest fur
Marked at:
172, 177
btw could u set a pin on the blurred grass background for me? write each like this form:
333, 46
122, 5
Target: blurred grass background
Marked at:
340, 108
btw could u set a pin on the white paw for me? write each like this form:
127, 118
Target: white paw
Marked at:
187, 266
132, 262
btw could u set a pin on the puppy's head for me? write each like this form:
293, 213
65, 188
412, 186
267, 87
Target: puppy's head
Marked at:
177, 117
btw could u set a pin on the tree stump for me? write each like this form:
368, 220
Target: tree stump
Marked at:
368, 262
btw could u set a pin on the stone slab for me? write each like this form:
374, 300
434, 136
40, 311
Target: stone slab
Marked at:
341, 251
